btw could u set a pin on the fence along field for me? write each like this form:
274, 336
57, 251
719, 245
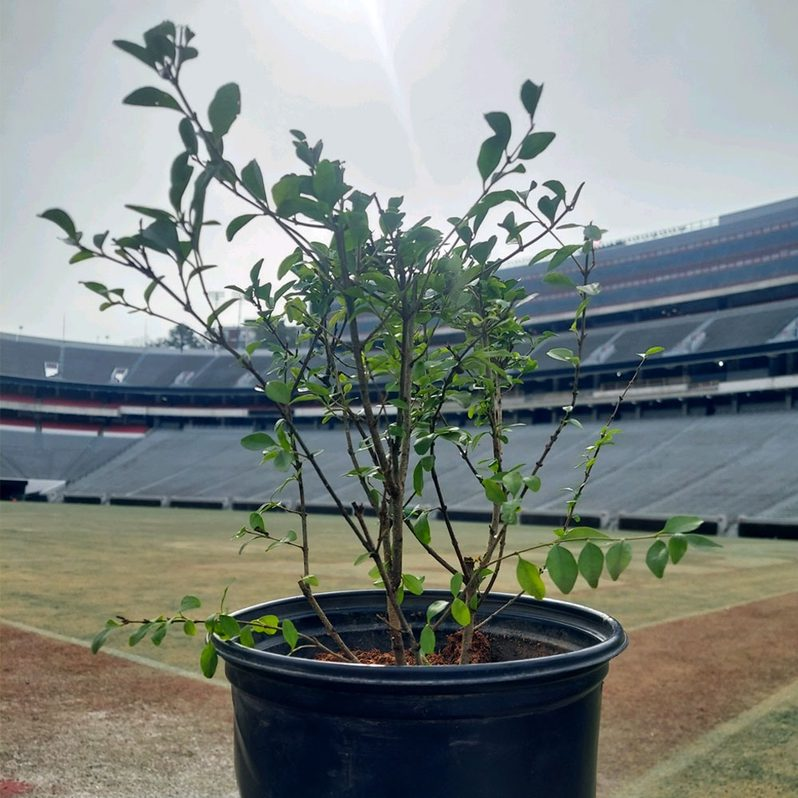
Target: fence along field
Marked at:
710, 673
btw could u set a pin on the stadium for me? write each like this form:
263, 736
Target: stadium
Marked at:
707, 430
127, 480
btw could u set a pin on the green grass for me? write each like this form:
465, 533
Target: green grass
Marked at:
754, 754
66, 568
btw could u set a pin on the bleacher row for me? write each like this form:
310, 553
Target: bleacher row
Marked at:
153, 425
660, 466
702, 333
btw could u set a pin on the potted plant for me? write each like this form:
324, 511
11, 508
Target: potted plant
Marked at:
391, 331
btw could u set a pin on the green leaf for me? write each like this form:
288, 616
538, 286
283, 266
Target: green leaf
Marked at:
533, 483
530, 95
267, 624
657, 558
188, 135
456, 584
151, 97
286, 189
139, 634
557, 187
548, 207
252, 178
62, 219
161, 236
702, 542
460, 612
426, 640
328, 184
413, 584
208, 661
555, 278
534, 144
238, 223
481, 252
490, 153
189, 603
562, 254
290, 633
283, 461
653, 350
99, 239
562, 568
99, 640
581, 532
154, 213
592, 232
418, 479
436, 608
494, 491
224, 108
510, 511
136, 50
256, 522
591, 563
189, 628
288, 263
159, 633
513, 481
501, 125
619, 555
226, 626
257, 441
279, 392
180, 175
677, 546
84, 254
246, 638
682, 524
218, 311
422, 531
544, 253
528, 576
561, 353
97, 288
160, 41
491, 200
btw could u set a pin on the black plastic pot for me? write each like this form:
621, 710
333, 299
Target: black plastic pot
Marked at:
328, 730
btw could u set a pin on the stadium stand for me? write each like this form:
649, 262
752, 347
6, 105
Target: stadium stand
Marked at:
709, 428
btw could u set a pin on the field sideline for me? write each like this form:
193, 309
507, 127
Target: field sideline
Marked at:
704, 703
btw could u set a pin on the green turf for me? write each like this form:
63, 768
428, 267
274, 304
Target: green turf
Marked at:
65, 568
754, 754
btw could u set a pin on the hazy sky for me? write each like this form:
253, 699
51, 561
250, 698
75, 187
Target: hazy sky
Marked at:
671, 111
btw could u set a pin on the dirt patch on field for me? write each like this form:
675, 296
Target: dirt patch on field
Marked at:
678, 680
77, 725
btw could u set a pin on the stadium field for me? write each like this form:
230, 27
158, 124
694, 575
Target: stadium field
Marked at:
704, 702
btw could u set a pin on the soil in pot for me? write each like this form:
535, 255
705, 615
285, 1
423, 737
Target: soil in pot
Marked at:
483, 650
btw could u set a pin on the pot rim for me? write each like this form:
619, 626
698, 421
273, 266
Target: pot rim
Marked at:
610, 638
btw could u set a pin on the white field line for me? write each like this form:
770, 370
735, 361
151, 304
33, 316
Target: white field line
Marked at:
660, 774
709, 611
139, 660
151, 663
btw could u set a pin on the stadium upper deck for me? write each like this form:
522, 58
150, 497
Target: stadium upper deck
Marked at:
723, 292
738, 258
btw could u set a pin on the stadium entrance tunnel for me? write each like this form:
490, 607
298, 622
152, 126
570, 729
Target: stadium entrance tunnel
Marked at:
716, 525
767, 528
